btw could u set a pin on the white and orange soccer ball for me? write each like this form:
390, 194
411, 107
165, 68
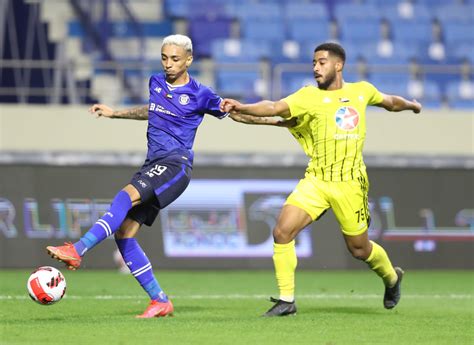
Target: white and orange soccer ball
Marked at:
46, 285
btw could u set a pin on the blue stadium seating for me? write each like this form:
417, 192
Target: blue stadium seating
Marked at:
463, 50
195, 8
236, 83
391, 83
360, 30
268, 10
125, 29
420, 14
457, 33
349, 11
455, 99
448, 14
287, 31
246, 51
304, 30
203, 31
411, 32
297, 11
262, 29
292, 82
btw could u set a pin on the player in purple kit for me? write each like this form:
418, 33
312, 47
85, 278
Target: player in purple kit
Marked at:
176, 108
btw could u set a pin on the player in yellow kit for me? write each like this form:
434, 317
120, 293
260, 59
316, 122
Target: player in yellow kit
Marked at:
332, 120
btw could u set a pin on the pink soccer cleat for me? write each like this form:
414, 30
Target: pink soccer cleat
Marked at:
66, 254
157, 309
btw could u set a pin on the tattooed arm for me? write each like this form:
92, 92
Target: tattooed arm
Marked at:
139, 113
257, 120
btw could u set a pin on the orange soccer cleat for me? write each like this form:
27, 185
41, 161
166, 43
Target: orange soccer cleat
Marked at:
66, 254
157, 309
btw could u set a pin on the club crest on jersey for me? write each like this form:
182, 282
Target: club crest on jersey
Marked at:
347, 118
183, 99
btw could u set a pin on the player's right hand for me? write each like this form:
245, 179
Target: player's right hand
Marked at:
101, 110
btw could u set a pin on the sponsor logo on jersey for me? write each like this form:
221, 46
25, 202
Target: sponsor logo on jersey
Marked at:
142, 183
347, 118
183, 99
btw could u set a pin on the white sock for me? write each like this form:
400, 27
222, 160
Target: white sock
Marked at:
289, 299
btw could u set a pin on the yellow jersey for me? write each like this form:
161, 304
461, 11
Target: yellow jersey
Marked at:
302, 133
331, 128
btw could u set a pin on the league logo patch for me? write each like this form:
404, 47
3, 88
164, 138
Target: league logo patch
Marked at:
347, 118
183, 99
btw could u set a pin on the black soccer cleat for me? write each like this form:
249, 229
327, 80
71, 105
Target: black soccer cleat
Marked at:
392, 295
281, 308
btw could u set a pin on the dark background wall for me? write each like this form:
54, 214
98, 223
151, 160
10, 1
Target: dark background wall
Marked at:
423, 217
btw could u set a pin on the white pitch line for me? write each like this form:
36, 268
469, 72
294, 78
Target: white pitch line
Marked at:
243, 296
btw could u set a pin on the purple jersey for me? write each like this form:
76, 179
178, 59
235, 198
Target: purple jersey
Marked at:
174, 115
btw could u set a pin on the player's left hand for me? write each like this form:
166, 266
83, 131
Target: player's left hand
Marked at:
230, 105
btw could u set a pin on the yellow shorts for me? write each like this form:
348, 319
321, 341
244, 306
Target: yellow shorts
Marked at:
348, 200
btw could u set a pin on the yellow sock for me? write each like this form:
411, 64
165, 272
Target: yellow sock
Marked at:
379, 262
285, 261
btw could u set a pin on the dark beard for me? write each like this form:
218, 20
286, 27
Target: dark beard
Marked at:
324, 85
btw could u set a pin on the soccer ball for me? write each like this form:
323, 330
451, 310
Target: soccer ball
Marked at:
46, 285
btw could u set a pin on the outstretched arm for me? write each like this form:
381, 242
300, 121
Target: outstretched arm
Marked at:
258, 120
139, 113
262, 108
398, 103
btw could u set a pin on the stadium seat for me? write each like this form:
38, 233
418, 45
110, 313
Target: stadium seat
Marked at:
125, 29
457, 33
289, 51
237, 83
195, 8
402, 52
462, 50
309, 30
360, 30
293, 81
461, 94
448, 14
262, 29
392, 83
411, 32
204, 30
349, 11
302, 10
254, 11
356, 50
244, 51
408, 12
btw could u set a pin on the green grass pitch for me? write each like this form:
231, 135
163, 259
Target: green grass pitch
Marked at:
224, 307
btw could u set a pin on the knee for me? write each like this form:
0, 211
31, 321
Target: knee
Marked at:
282, 235
359, 252
128, 229
121, 234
